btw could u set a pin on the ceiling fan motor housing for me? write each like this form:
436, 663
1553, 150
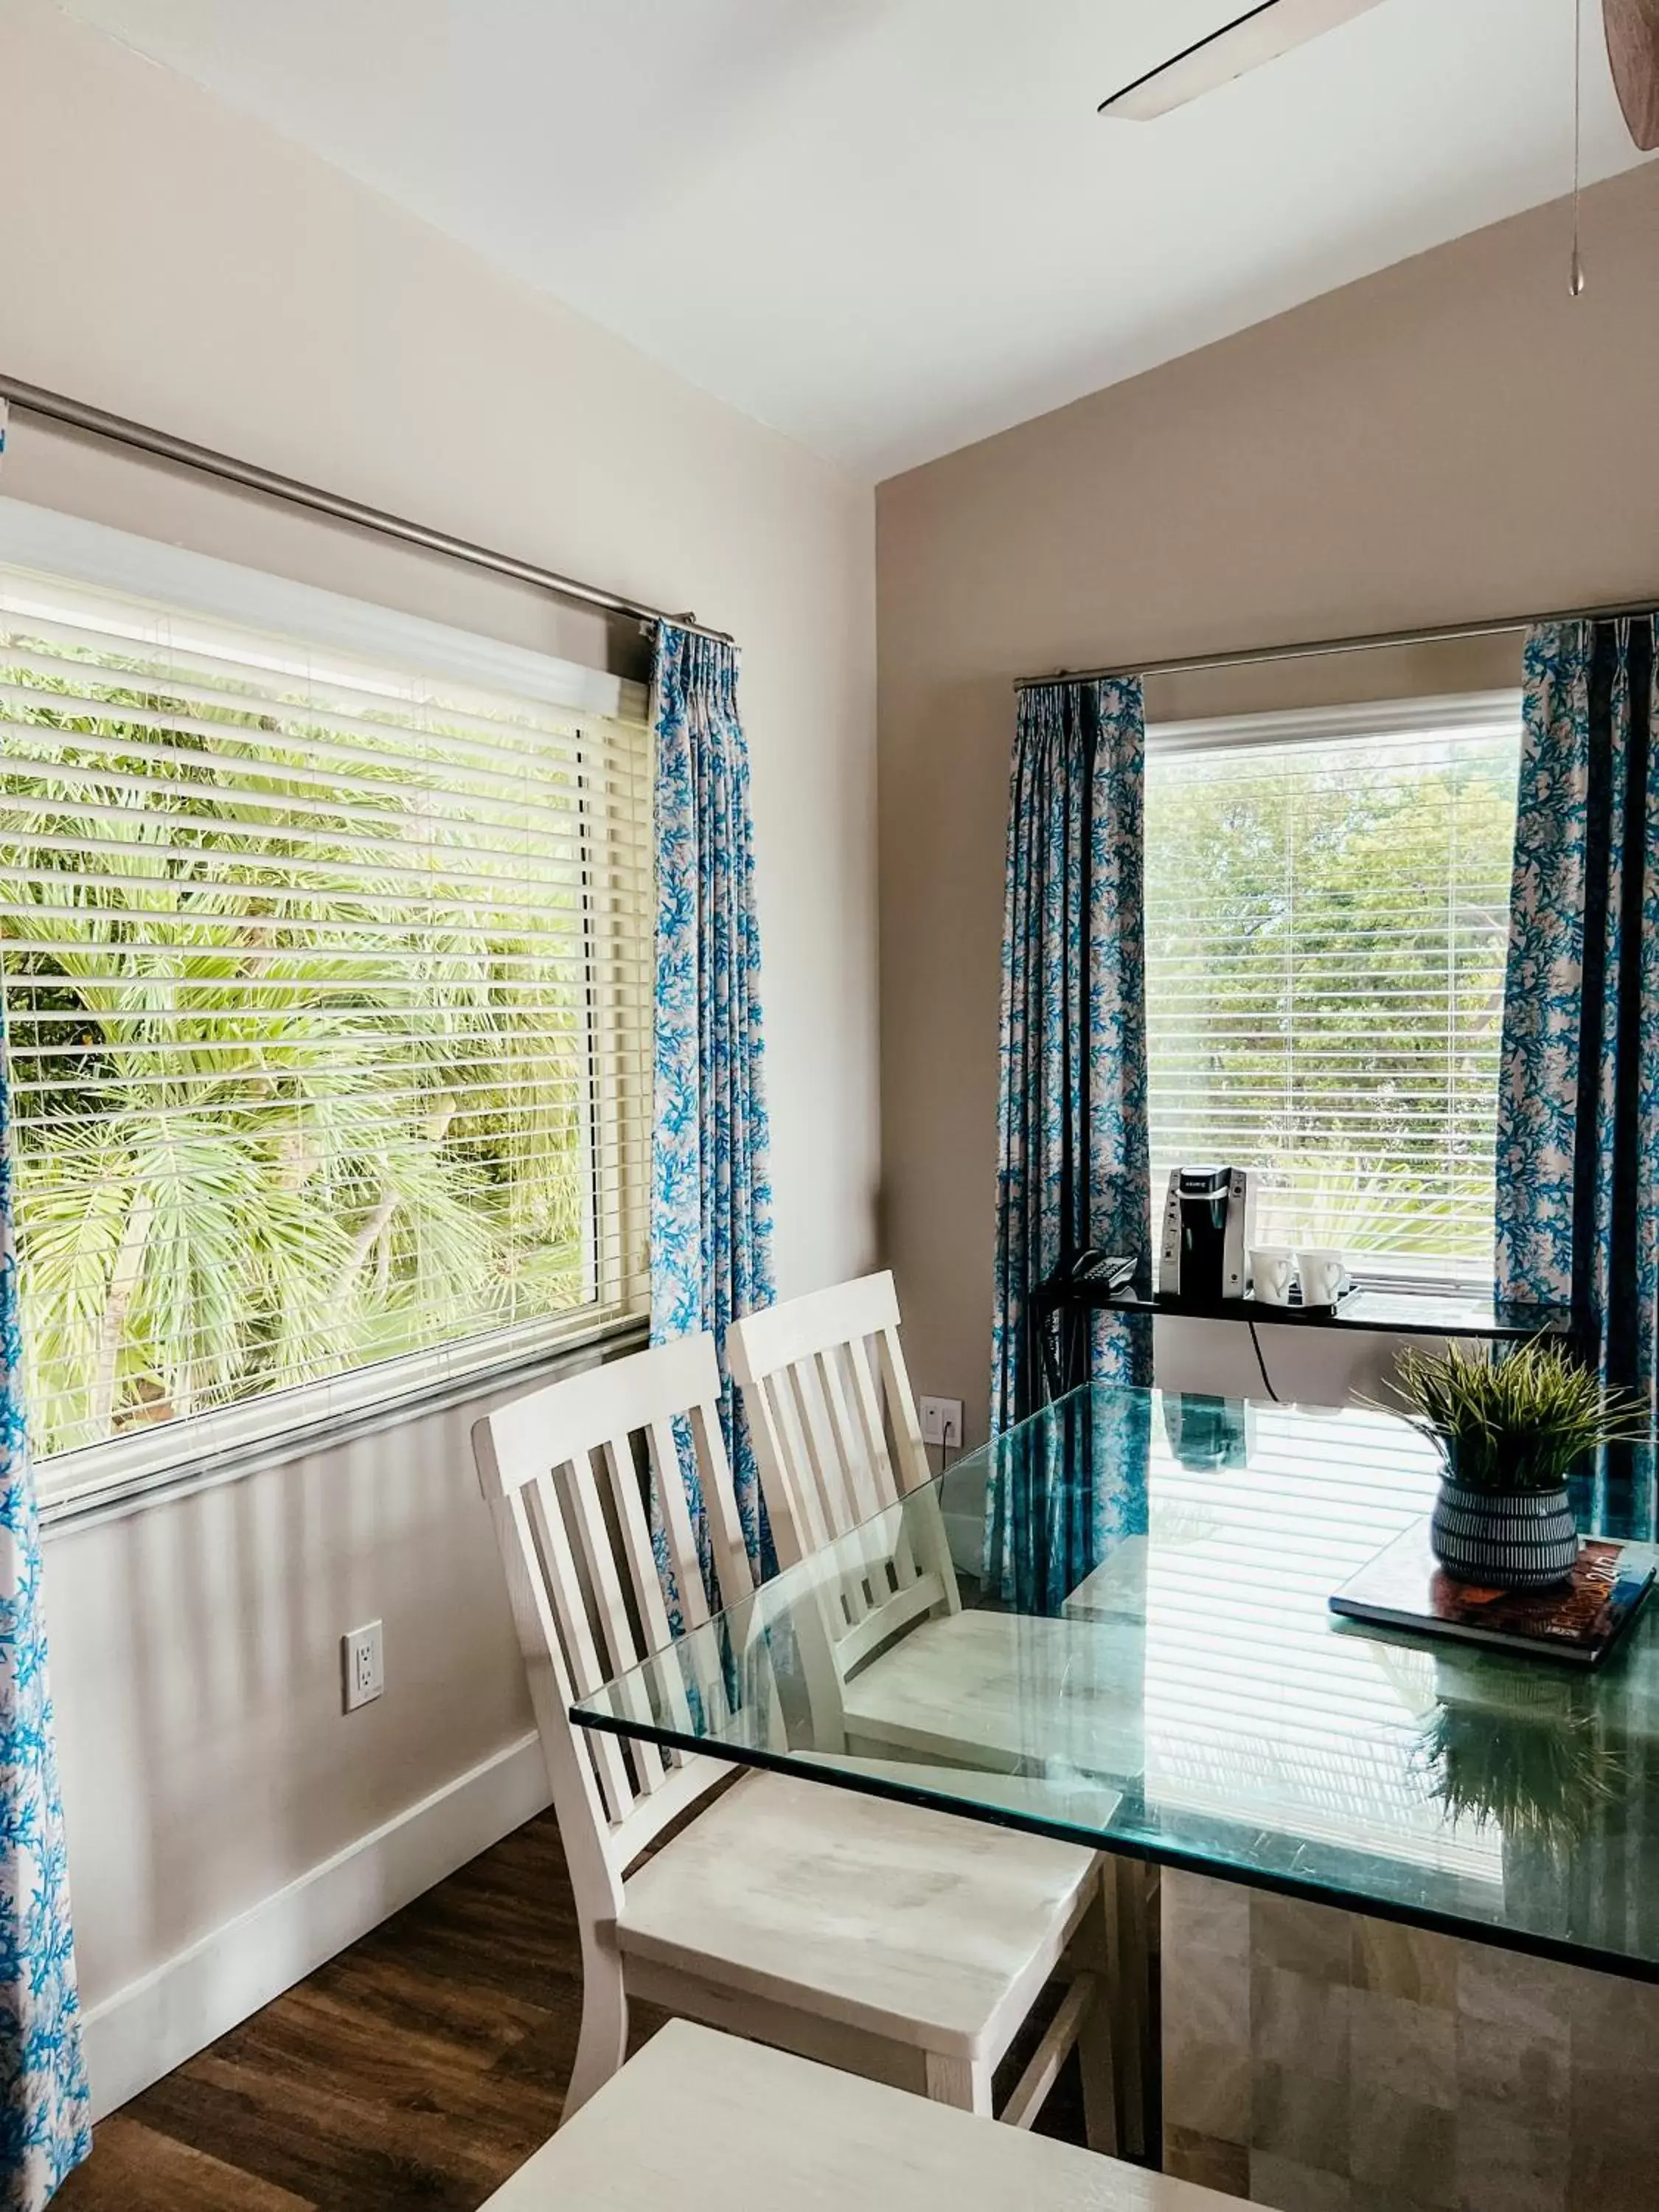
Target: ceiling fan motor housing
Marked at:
1633, 50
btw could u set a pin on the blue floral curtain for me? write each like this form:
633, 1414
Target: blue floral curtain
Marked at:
1065, 1490
1578, 1216
44, 2129
711, 1197
1071, 1122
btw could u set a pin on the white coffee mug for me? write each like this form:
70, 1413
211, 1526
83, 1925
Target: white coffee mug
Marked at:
1323, 1277
1271, 1269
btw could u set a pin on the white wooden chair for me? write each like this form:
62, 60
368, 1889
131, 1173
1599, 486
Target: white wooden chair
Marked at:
831, 1412
702, 2123
906, 1944
839, 1449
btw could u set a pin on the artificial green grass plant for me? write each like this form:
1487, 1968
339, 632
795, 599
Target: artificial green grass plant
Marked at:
1515, 1424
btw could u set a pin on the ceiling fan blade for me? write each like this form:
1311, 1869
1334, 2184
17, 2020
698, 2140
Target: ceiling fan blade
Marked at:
1633, 50
1260, 34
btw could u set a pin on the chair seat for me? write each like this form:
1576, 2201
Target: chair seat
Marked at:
706, 2124
920, 1926
1076, 1799
1003, 1690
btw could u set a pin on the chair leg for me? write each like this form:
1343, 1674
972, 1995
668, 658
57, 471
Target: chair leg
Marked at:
602, 2044
964, 2082
1129, 1905
1097, 2052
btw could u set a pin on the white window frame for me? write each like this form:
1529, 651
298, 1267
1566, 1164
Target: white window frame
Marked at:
1332, 725
120, 1473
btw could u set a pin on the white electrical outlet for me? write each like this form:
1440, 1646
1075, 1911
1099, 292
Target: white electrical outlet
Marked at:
941, 1422
365, 1670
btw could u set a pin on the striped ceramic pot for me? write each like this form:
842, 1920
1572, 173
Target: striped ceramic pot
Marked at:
1504, 1540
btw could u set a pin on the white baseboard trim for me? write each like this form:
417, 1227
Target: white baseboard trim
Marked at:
144, 2030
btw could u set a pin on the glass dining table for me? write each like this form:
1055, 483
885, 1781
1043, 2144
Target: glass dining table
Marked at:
1112, 1626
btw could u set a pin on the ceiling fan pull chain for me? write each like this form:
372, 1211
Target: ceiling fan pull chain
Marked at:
1577, 281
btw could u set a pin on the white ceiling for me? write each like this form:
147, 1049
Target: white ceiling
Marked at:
890, 227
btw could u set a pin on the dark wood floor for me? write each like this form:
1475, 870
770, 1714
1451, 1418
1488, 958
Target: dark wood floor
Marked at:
417, 2070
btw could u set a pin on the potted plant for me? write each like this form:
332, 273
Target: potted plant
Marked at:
1509, 1430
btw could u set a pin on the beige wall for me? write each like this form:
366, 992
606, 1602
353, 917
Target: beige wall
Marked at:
168, 259
1454, 438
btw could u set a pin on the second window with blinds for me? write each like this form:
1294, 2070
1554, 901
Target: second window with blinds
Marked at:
324, 937
1327, 923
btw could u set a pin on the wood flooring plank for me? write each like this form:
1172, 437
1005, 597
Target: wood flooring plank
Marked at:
342, 2155
548, 2052
142, 2171
371, 2056
483, 2023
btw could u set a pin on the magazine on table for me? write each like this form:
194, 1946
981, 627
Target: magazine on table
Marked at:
1580, 1620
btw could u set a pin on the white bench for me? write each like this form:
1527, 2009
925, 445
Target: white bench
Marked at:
699, 2121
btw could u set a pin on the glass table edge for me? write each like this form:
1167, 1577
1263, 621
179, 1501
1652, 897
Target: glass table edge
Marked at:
1559, 1951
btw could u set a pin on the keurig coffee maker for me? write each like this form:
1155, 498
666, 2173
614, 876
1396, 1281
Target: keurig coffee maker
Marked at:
1208, 1234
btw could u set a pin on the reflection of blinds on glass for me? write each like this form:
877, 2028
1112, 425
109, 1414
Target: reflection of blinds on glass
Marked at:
1256, 1714
327, 988
1326, 924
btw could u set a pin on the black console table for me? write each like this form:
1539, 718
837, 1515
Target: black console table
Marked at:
1060, 1308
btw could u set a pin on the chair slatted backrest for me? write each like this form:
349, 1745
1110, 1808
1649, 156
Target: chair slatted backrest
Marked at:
839, 1448
560, 1468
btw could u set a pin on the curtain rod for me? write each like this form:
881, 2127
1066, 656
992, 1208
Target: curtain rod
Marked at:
1314, 649
77, 415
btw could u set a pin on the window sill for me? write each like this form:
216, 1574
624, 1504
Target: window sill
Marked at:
198, 1468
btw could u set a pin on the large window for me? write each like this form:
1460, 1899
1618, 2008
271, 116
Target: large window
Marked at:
325, 990
1327, 913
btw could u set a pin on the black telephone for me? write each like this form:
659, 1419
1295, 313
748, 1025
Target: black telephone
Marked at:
1111, 1269
1059, 1311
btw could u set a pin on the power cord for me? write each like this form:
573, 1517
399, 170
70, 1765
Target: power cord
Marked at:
1266, 1379
947, 1459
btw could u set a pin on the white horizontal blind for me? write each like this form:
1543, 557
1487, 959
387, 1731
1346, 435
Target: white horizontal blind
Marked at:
327, 992
1327, 916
